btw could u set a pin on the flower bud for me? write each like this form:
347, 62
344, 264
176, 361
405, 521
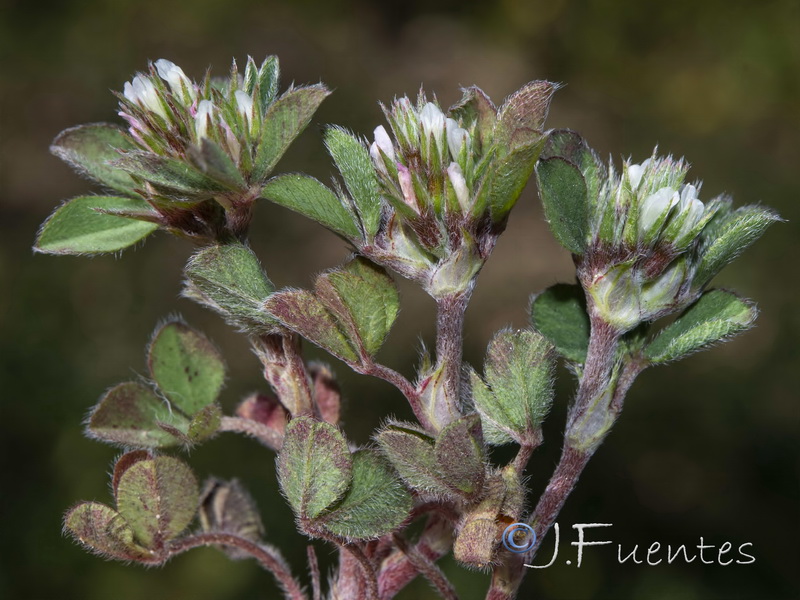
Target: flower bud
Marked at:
205, 112
662, 293
456, 138
407, 187
141, 91
383, 142
635, 173
244, 104
654, 210
459, 186
177, 80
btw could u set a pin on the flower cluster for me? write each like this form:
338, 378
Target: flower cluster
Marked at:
170, 115
645, 244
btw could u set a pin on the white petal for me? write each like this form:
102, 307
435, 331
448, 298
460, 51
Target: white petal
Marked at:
456, 138
654, 206
205, 111
432, 120
459, 185
175, 77
384, 142
244, 104
377, 158
635, 173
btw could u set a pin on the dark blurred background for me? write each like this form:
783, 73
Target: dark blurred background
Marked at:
707, 447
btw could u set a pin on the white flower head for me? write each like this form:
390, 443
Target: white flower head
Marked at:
205, 112
177, 80
459, 186
141, 91
655, 206
244, 104
456, 138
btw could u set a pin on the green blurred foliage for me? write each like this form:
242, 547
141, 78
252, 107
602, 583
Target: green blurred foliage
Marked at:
706, 447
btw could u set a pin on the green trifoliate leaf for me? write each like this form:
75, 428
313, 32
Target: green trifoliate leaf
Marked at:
79, 226
364, 299
715, 317
354, 163
130, 414
314, 200
375, 505
518, 388
559, 314
411, 452
570, 146
285, 119
562, 189
158, 498
90, 148
303, 312
102, 530
460, 456
171, 177
187, 367
314, 466
229, 279
728, 235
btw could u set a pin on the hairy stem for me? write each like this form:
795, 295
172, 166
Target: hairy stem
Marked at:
268, 557
427, 568
313, 567
401, 383
269, 437
445, 398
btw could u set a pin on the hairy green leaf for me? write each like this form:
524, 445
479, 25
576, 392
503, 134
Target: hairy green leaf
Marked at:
129, 414
411, 452
158, 498
519, 387
229, 279
314, 466
284, 120
364, 299
187, 367
78, 226
715, 317
90, 148
459, 456
354, 163
170, 176
103, 531
314, 200
564, 196
375, 505
521, 117
268, 76
511, 174
728, 235
302, 311
559, 314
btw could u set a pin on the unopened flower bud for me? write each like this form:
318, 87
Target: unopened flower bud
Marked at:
384, 142
432, 120
635, 173
655, 207
459, 186
177, 80
662, 293
205, 112
244, 104
456, 138
141, 91
407, 187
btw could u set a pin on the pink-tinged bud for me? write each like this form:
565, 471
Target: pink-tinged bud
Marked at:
141, 91
177, 80
456, 138
384, 142
407, 187
205, 112
459, 186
